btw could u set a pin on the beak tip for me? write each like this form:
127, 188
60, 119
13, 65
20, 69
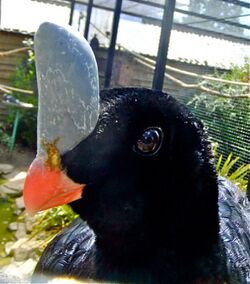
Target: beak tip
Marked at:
45, 188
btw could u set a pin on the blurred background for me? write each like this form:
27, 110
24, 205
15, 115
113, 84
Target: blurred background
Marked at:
195, 50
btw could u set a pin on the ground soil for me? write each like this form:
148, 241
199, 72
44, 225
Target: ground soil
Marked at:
20, 158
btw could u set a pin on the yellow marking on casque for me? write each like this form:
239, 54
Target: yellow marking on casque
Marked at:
53, 155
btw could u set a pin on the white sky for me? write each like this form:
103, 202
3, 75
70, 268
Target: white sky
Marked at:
27, 15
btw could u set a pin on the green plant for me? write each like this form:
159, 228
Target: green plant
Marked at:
2, 180
49, 223
238, 175
25, 78
4, 136
227, 119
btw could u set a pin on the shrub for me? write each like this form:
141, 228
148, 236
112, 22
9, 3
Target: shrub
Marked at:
25, 78
227, 119
238, 176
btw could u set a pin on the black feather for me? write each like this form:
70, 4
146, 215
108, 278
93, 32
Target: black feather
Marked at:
150, 219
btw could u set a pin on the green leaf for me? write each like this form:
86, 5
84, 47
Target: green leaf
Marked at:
241, 172
218, 163
238, 176
228, 165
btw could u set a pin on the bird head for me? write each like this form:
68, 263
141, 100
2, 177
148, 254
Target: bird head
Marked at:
141, 165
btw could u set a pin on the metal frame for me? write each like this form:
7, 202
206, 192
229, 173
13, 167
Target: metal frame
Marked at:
166, 26
61, 2
237, 2
73, 2
156, 5
212, 19
89, 12
111, 50
183, 27
167, 22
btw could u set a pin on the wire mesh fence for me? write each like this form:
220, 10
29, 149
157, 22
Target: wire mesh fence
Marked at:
227, 119
227, 122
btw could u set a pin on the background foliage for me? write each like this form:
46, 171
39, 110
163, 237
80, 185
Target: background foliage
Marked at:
215, 112
24, 78
227, 120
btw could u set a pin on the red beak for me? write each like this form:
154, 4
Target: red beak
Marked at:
47, 187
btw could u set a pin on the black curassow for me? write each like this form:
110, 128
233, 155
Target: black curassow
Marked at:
152, 209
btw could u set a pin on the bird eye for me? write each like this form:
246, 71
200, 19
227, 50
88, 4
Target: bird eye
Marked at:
149, 143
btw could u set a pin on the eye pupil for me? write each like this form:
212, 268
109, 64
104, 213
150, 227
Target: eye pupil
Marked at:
149, 136
150, 141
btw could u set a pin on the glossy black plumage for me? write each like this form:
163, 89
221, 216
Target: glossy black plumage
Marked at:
234, 209
153, 219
